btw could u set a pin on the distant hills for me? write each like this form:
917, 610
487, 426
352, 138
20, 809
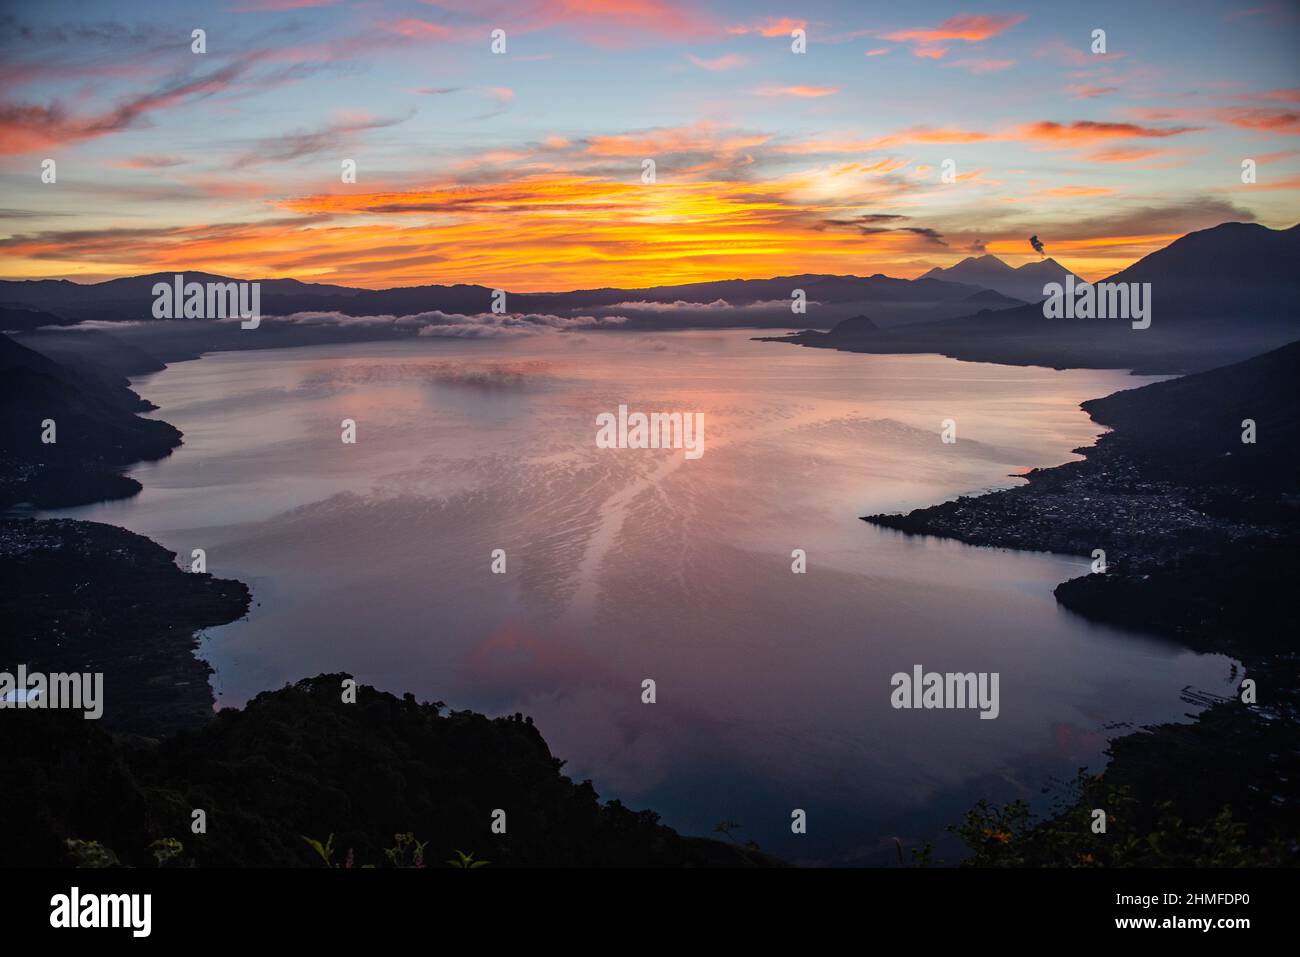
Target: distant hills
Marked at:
735, 302
1236, 269
989, 272
1219, 295
1200, 528
1189, 429
96, 432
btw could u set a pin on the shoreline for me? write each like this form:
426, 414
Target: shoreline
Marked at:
1198, 547
85, 596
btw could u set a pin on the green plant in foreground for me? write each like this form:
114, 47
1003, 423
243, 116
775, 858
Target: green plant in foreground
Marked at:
90, 854
326, 850
165, 850
407, 852
1140, 833
465, 860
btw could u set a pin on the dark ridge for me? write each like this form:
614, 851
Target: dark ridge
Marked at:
1191, 427
1218, 296
991, 297
856, 326
24, 320
86, 597
97, 432
299, 762
1199, 528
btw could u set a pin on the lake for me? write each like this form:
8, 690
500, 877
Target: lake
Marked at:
772, 689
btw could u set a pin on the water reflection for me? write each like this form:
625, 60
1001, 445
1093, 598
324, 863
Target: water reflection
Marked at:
772, 688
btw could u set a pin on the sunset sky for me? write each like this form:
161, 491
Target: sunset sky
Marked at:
523, 170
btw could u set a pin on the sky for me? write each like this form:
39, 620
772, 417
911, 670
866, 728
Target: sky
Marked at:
525, 169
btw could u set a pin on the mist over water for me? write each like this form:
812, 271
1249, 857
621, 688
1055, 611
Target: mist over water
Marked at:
623, 564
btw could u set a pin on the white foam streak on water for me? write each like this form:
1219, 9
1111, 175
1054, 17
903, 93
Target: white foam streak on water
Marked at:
773, 688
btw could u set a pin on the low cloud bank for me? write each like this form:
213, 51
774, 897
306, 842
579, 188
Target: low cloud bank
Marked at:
455, 325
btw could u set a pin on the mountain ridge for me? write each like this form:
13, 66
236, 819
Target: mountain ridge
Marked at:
1219, 296
1024, 282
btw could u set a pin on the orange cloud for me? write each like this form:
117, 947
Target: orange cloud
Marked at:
915, 134
1089, 132
1127, 155
972, 28
1292, 182
704, 136
541, 231
550, 232
927, 134
1070, 191
782, 27
809, 91
1264, 158
1261, 119
1284, 122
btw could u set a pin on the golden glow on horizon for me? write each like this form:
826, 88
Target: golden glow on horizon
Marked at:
555, 232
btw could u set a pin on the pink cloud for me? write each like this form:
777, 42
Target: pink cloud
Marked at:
1127, 154
771, 27
966, 27
1058, 49
25, 127
797, 90
1283, 122
702, 137
969, 27
728, 61
1264, 158
983, 66
1084, 91
1086, 132
151, 162
604, 22
416, 29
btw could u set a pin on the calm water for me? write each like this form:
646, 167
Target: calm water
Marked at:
773, 688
